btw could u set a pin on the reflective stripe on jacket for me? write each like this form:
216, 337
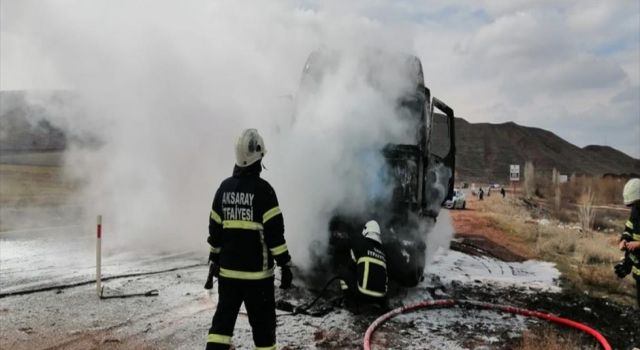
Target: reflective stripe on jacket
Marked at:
632, 233
246, 228
371, 266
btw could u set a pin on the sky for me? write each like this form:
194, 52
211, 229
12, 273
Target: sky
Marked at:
571, 67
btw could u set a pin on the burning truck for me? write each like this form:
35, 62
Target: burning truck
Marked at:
419, 174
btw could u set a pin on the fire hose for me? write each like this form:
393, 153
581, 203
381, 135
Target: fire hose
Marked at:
444, 303
91, 281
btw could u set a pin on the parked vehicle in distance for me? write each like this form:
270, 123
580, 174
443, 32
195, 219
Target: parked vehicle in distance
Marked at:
458, 201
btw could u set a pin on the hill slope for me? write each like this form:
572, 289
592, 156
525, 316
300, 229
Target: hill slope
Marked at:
485, 151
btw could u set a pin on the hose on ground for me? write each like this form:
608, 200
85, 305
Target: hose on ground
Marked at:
444, 303
150, 293
82, 283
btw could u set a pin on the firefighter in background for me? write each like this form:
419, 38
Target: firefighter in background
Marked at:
246, 235
364, 280
630, 240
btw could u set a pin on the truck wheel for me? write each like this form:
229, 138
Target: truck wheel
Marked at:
464, 204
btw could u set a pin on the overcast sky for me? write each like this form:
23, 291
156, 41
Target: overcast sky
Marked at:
571, 67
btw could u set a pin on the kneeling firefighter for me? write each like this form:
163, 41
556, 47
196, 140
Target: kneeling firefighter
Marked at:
246, 235
630, 239
364, 279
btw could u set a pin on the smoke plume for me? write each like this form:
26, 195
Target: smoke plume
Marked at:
167, 86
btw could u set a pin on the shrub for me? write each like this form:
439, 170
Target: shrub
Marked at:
586, 212
549, 338
563, 243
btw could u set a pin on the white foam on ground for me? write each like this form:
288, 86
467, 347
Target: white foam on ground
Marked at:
452, 266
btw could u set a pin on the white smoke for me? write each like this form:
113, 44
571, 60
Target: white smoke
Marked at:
167, 87
441, 232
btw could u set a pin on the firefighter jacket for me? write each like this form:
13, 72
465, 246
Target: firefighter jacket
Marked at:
246, 229
370, 264
632, 233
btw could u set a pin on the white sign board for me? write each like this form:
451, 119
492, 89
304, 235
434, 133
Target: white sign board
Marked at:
514, 172
563, 178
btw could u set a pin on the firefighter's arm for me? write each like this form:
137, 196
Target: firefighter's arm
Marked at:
633, 245
274, 229
627, 235
215, 229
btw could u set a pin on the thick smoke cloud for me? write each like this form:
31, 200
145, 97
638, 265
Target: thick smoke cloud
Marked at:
167, 87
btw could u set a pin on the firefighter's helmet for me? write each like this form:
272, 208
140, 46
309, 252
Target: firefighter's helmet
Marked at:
372, 231
631, 192
249, 148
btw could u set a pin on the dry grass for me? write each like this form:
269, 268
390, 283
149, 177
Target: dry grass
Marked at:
585, 260
586, 212
26, 188
606, 191
563, 243
28, 185
548, 338
599, 249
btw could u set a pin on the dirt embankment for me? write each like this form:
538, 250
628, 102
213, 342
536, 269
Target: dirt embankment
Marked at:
474, 232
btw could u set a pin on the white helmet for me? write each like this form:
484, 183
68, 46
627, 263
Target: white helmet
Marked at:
372, 231
631, 191
249, 148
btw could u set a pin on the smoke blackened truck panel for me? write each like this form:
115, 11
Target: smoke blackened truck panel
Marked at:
419, 174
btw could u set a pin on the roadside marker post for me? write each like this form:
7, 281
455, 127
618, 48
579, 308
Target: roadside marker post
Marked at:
151, 293
99, 255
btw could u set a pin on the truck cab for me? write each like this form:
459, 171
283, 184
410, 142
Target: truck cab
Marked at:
419, 174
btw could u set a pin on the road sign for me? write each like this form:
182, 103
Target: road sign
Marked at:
514, 172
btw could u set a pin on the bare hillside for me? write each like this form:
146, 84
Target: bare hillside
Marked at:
485, 151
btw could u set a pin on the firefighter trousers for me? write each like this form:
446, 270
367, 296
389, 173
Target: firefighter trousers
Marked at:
259, 300
637, 277
349, 286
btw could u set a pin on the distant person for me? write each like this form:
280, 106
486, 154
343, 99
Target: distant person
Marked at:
480, 194
364, 279
246, 234
630, 240
503, 192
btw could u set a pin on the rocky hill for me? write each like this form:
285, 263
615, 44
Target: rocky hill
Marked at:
485, 151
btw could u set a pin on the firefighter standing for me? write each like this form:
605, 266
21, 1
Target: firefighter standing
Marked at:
630, 240
364, 280
246, 235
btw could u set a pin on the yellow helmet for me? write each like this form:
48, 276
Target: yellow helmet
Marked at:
249, 148
631, 191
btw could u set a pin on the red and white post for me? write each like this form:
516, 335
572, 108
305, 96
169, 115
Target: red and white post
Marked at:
98, 255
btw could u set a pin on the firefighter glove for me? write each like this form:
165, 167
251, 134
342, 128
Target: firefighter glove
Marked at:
623, 268
286, 277
214, 271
